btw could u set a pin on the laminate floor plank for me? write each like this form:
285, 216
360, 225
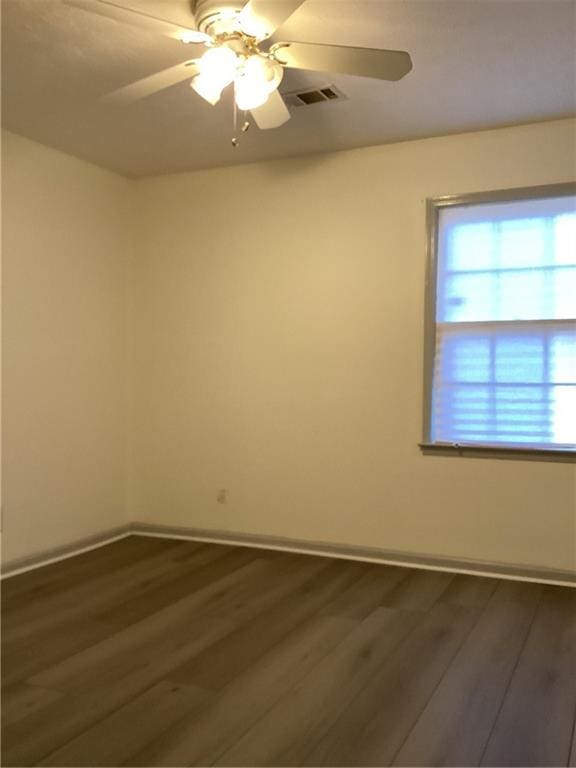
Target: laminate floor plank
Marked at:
372, 729
129, 648
572, 761
544, 681
419, 591
94, 597
180, 586
219, 664
454, 727
33, 738
26, 658
248, 697
285, 734
20, 700
191, 566
152, 651
121, 734
369, 592
469, 591
224, 605
62, 575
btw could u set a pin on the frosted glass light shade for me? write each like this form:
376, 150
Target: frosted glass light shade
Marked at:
255, 81
205, 87
217, 69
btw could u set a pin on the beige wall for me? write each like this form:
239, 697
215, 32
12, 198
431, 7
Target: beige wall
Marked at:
279, 314
276, 311
65, 246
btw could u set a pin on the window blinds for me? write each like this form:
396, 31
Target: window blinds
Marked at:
505, 353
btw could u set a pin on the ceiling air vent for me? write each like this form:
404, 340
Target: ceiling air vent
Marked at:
313, 96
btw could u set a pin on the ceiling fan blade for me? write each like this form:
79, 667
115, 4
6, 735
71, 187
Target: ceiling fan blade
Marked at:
151, 85
111, 10
261, 18
272, 114
365, 62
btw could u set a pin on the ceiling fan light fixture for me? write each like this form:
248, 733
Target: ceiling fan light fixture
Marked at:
232, 31
219, 65
210, 91
257, 78
217, 69
250, 95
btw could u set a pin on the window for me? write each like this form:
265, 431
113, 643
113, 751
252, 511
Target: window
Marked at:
501, 352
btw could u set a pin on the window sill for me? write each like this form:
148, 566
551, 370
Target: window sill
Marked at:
565, 455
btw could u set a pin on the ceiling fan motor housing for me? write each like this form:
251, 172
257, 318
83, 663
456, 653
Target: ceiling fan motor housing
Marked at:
216, 17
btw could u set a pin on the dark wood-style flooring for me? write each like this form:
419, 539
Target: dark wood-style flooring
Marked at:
162, 652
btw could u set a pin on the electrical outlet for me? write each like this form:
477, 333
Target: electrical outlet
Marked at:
222, 497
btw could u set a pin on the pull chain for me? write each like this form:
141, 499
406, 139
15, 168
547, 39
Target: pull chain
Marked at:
245, 124
234, 120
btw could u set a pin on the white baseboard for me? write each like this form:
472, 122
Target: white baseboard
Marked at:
299, 546
366, 554
54, 555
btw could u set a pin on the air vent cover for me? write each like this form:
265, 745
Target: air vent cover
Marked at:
310, 96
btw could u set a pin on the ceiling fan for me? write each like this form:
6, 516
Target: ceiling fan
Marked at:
232, 39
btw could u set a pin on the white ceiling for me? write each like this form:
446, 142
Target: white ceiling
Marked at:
477, 64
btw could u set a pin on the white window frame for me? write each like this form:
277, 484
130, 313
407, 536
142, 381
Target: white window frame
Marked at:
433, 208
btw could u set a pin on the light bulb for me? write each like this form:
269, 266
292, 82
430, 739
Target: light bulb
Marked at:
249, 95
217, 69
204, 87
219, 64
256, 80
